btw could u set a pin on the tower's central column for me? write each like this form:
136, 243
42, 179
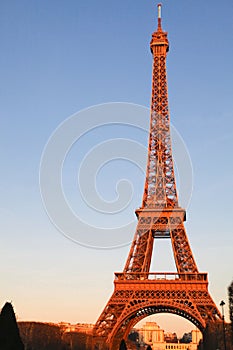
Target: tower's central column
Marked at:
160, 216
160, 187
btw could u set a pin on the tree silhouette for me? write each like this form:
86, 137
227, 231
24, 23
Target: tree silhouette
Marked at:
123, 345
230, 297
9, 332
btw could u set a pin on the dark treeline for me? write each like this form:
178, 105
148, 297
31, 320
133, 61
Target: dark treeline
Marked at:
43, 336
213, 337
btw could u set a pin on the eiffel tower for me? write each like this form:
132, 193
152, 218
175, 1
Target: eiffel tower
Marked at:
138, 292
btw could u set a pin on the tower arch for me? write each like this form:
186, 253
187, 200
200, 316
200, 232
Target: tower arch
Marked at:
148, 309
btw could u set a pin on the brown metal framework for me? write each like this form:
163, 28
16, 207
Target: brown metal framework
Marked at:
139, 293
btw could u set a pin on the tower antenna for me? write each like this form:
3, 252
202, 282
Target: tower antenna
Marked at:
159, 16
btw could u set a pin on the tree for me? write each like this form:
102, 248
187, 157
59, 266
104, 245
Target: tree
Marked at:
187, 338
123, 345
133, 336
42, 336
9, 332
47, 336
230, 296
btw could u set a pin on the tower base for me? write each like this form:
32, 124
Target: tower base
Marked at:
138, 295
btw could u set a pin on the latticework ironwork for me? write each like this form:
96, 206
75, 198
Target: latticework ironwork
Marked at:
137, 292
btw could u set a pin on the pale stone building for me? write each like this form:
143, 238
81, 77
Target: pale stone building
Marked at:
78, 327
154, 336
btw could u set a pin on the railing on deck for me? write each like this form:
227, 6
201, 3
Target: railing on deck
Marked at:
161, 276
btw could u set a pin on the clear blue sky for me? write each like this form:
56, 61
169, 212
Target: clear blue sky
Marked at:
58, 57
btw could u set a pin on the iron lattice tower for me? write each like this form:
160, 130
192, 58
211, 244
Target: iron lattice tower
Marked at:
138, 292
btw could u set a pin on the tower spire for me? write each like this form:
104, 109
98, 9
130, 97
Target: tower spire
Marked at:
159, 17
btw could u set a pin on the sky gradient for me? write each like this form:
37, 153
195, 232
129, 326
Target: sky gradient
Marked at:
58, 58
